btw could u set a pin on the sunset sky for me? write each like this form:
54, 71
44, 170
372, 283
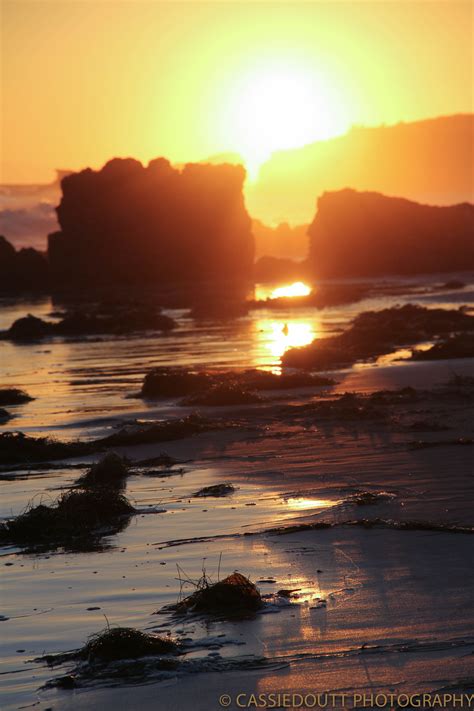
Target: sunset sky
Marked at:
85, 81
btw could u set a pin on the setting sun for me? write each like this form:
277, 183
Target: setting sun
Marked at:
279, 105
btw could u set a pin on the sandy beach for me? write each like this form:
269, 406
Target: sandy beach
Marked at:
355, 524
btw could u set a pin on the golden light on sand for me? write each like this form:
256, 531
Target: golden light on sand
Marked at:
298, 288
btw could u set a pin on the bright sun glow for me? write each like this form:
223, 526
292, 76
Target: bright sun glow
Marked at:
282, 105
295, 289
278, 336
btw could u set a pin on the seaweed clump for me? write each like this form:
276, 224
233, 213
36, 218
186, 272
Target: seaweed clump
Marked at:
13, 396
116, 643
162, 431
110, 471
234, 594
227, 388
76, 515
16, 447
173, 382
216, 490
114, 652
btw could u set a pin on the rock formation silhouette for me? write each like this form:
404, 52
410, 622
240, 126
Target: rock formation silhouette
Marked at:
131, 225
25, 270
368, 234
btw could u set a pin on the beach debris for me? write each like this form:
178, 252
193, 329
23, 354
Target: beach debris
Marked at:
234, 594
14, 396
216, 490
289, 593
76, 514
110, 471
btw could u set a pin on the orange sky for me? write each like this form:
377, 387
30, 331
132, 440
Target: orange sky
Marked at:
86, 80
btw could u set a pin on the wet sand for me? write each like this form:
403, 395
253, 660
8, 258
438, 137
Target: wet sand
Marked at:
373, 609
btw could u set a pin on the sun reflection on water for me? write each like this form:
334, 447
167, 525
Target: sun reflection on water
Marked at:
295, 289
280, 335
267, 291
302, 504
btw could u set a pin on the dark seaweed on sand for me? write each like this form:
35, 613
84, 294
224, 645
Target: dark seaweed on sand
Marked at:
110, 471
233, 595
113, 652
77, 514
216, 490
17, 447
227, 388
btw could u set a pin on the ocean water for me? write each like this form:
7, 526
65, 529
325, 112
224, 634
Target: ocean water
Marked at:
82, 385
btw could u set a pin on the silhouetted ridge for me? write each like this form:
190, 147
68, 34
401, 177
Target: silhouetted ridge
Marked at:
369, 234
428, 161
132, 225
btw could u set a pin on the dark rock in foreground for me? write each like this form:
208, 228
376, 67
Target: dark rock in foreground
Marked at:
461, 346
375, 333
25, 270
13, 396
4, 415
120, 322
